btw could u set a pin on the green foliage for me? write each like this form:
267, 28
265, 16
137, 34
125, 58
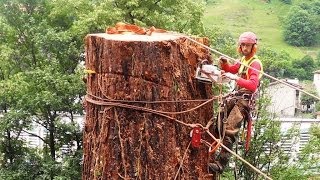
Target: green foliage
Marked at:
307, 99
26, 167
317, 107
181, 15
69, 134
286, 1
276, 64
211, 1
300, 28
266, 19
45, 88
309, 157
317, 60
264, 148
221, 40
68, 168
40, 82
303, 68
281, 65
38, 79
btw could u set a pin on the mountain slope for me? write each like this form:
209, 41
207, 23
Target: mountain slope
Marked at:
265, 19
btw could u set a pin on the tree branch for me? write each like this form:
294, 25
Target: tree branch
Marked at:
35, 135
157, 2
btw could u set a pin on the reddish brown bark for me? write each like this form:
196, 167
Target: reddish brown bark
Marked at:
126, 143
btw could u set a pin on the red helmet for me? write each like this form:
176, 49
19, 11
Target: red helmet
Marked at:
248, 37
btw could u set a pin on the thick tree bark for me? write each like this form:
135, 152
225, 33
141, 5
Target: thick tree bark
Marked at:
126, 143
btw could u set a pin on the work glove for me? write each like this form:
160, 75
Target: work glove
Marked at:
230, 76
223, 59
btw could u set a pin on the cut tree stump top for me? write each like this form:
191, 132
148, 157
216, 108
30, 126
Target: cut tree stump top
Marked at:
135, 37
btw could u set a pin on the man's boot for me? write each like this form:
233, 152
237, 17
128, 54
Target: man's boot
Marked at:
223, 158
216, 167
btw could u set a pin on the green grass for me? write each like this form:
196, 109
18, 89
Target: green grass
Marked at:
237, 16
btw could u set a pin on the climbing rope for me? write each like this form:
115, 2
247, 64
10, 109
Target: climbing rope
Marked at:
142, 108
239, 157
160, 113
181, 163
147, 102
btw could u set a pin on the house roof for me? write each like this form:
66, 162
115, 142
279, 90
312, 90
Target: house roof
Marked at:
316, 72
293, 82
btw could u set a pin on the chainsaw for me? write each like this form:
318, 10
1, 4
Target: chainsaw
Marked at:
209, 73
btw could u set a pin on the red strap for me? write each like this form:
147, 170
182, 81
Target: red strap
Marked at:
248, 138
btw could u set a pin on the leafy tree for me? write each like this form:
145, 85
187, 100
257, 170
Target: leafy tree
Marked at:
307, 100
286, 1
317, 60
222, 41
313, 7
45, 94
211, 1
180, 15
28, 166
300, 28
317, 108
40, 46
277, 64
38, 73
264, 148
309, 156
304, 68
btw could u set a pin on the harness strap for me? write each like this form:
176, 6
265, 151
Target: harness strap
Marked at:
249, 129
250, 97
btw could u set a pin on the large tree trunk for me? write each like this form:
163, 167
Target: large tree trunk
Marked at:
126, 143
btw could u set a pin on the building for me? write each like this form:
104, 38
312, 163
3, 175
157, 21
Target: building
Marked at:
285, 101
316, 80
33, 136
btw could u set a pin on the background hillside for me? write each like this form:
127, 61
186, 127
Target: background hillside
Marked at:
262, 17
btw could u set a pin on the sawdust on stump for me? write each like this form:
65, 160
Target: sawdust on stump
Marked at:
123, 143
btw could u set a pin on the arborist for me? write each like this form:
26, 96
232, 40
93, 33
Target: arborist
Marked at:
238, 104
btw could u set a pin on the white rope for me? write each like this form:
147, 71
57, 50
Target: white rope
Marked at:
239, 157
265, 74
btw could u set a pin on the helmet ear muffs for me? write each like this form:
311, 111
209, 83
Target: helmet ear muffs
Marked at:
253, 50
239, 49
